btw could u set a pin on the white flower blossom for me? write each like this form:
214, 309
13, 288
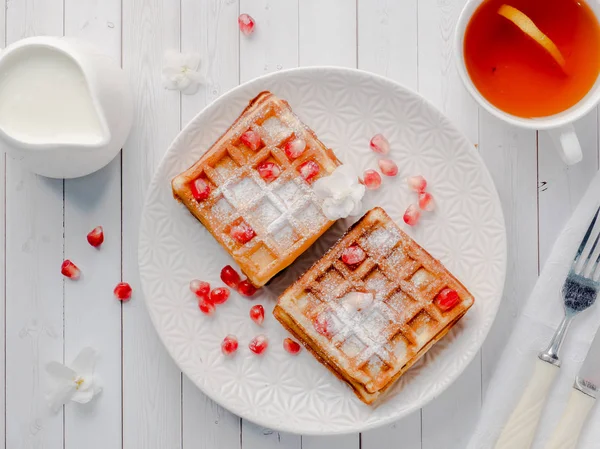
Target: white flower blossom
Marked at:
181, 72
341, 193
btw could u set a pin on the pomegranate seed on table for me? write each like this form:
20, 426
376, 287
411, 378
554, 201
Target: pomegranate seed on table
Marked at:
200, 288
291, 346
242, 232
294, 148
379, 144
230, 277
412, 215
229, 344
251, 139
353, 254
447, 299
259, 344
200, 189
70, 270
371, 179
388, 167
123, 291
426, 201
246, 24
417, 183
269, 171
309, 170
219, 295
257, 314
96, 236
245, 288
206, 307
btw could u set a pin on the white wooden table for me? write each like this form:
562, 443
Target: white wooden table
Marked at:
147, 403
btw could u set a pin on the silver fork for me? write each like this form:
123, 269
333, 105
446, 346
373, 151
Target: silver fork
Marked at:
579, 293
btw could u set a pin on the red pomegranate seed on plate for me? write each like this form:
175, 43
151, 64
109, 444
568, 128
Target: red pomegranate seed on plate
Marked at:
200, 288
388, 167
269, 171
230, 277
242, 232
294, 148
447, 299
259, 344
123, 291
229, 344
379, 144
70, 270
352, 255
291, 346
257, 314
96, 236
426, 201
251, 139
412, 215
371, 179
246, 24
417, 183
200, 189
219, 295
309, 170
206, 307
245, 288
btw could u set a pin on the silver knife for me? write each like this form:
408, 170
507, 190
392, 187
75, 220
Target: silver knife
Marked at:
583, 396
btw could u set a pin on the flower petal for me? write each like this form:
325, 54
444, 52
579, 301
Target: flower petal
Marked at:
59, 372
60, 395
83, 396
85, 362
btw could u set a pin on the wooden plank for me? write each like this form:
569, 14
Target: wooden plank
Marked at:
3, 255
92, 315
34, 286
151, 381
209, 28
387, 45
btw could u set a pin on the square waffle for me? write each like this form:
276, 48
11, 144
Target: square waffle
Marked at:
259, 203
370, 321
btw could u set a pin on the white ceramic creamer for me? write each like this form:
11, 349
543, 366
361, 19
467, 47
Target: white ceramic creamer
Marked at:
65, 108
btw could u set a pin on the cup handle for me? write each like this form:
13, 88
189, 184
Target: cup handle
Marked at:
567, 144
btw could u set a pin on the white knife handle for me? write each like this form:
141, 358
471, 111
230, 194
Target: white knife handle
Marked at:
519, 431
565, 436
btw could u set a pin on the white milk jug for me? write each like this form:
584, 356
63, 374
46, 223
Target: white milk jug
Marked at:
65, 108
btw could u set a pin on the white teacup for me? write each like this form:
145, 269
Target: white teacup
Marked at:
559, 126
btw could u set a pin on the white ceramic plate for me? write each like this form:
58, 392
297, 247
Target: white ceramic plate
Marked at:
295, 393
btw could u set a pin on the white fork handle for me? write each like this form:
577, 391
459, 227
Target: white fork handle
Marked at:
566, 435
519, 431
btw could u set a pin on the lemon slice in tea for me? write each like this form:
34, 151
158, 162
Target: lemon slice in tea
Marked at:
526, 25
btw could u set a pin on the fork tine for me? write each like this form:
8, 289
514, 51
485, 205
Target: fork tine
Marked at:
587, 260
585, 238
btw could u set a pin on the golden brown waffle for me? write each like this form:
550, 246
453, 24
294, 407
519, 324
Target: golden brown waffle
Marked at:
369, 322
284, 214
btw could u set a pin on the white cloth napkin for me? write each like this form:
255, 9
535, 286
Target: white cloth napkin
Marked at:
533, 331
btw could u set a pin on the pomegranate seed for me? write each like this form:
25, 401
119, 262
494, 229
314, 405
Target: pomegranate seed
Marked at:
257, 314
291, 346
229, 345
219, 295
246, 24
447, 299
258, 344
206, 307
294, 148
379, 144
426, 201
322, 325
269, 171
417, 183
96, 236
242, 232
388, 167
371, 179
245, 288
412, 215
309, 170
251, 139
70, 270
200, 288
230, 277
353, 254
123, 291
200, 189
